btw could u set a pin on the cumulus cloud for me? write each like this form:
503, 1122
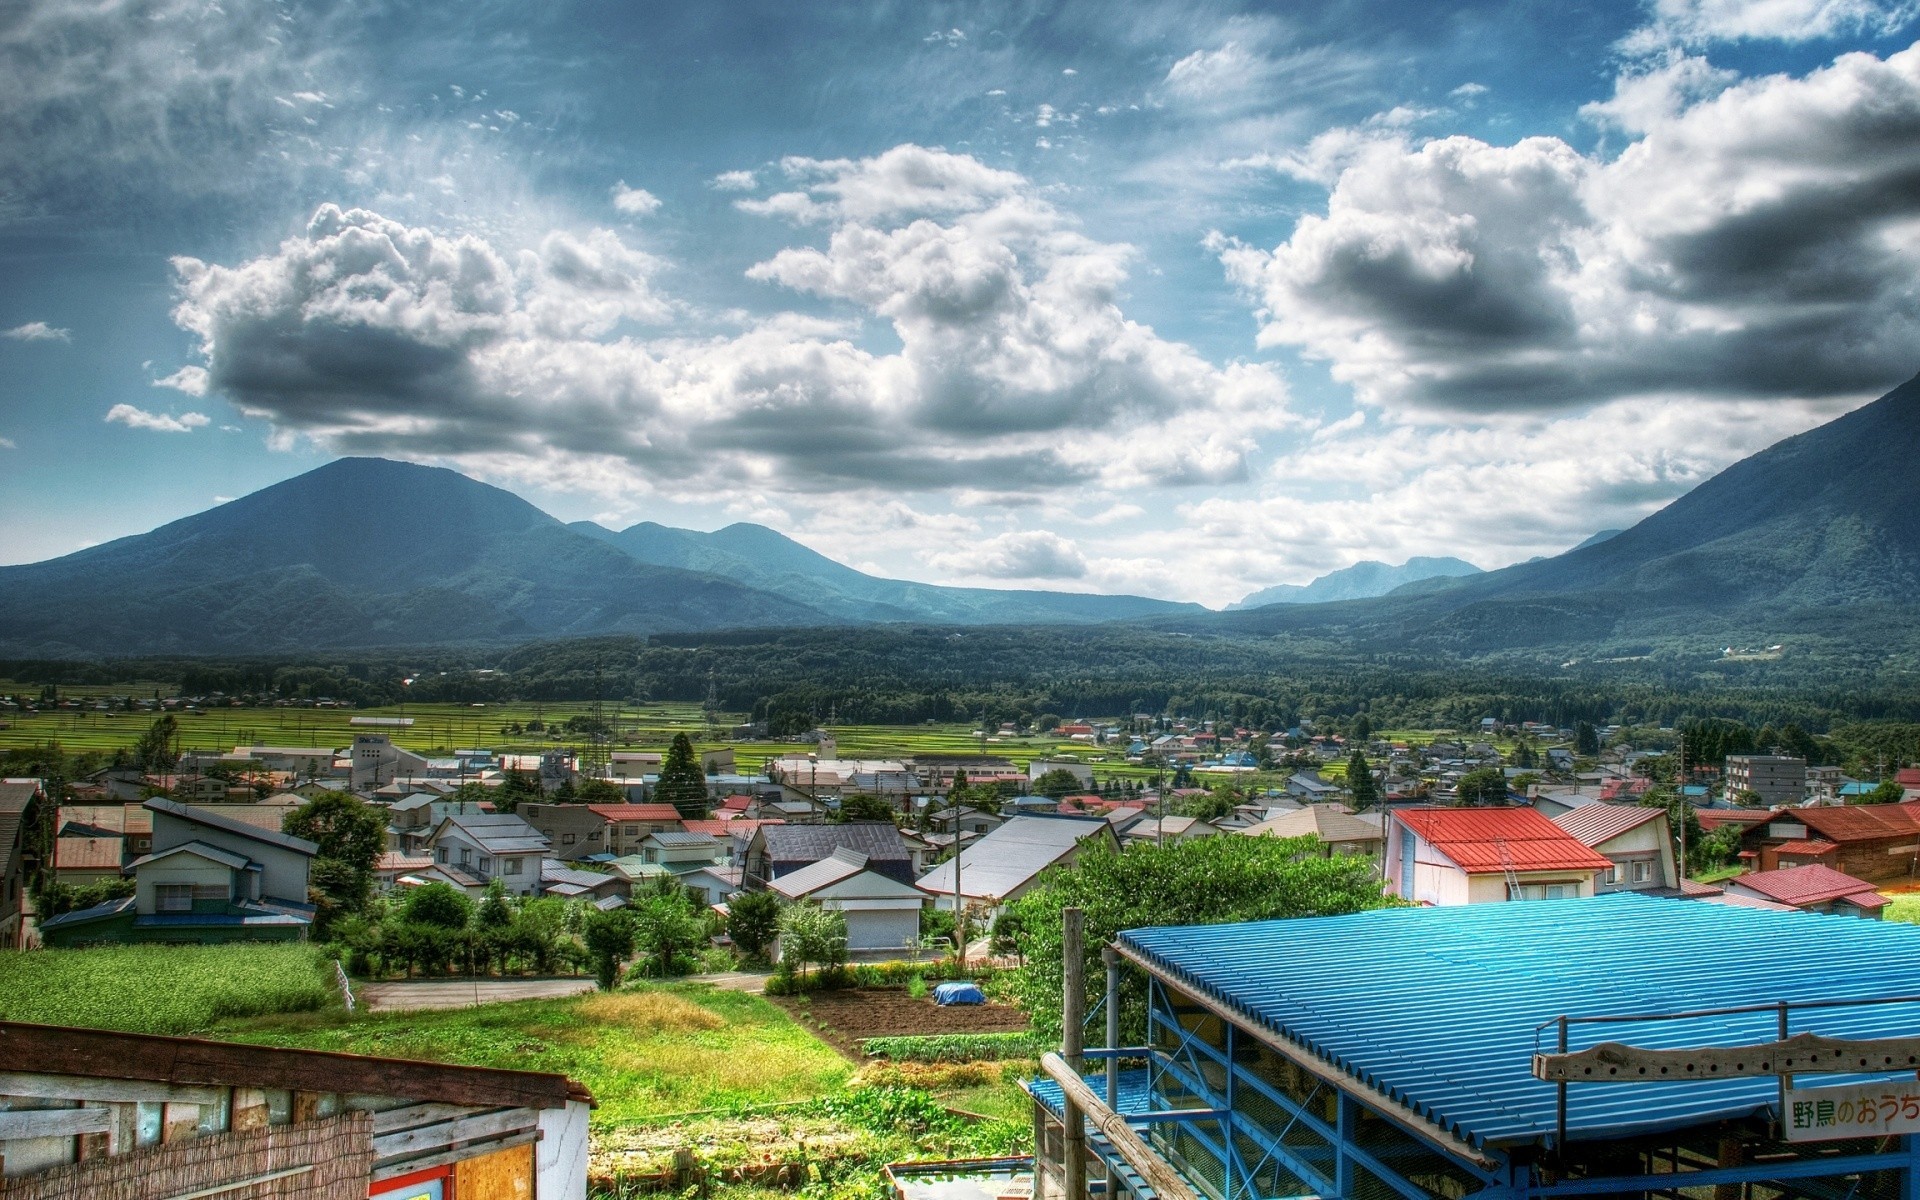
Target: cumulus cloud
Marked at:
637, 202
8, 444
1034, 554
140, 418
734, 181
905, 181
1755, 240
37, 331
371, 336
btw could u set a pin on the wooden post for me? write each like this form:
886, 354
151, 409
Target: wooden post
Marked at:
1160, 1176
1073, 1005
1111, 958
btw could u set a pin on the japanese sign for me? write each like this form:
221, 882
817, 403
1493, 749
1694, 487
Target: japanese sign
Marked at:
1862, 1110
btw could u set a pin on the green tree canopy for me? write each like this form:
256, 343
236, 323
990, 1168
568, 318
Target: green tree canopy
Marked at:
1056, 783
1366, 793
159, 747
351, 835
1586, 740
682, 783
609, 937
811, 934
1487, 785
439, 904
667, 928
862, 807
753, 921
1204, 881
1888, 792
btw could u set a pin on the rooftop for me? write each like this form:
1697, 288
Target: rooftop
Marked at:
1484, 841
271, 837
1811, 884
1437, 1009
1596, 823
636, 812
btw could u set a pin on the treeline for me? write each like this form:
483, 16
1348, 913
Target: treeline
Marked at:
908, 675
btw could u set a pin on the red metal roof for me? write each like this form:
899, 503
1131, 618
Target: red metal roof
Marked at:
1474, 838
1859, 822
87, 853
710, 827
1907, 777
636, 812
1811, 884
1807, 847
1713, 818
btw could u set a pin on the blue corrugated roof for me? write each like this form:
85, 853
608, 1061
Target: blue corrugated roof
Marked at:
1436, 1008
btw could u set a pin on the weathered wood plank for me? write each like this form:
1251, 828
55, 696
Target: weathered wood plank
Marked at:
1801, 1054
504, 1123
1159, 1174
53, 1122
179, 1122
393, 1120
440, 1158
117, 1091
249, 1110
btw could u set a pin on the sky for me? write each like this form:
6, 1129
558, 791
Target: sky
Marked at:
1178, 299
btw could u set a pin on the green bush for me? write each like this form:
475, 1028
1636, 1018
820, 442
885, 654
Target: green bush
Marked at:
956, 1047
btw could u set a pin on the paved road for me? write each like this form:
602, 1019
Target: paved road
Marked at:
734, 981
463, 993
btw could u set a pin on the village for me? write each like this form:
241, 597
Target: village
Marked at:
816, 870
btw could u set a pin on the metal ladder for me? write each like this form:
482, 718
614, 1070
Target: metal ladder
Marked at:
1514, 891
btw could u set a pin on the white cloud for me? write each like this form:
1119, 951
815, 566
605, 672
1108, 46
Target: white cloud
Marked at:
371, 336
1469, 90
140, 418
1034, 554
1698, 22
637, 202
189, 379
37, 331
1754, 241
734, 181
7, 443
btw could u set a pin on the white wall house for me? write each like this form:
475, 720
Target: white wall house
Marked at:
882, 914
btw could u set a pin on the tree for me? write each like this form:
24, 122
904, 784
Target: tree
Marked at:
666, 928
1888, 792
1203, 881
1360, 782
599, 791
753, 921
351, 835
1056, 783
811, 934
609, 938
862, 807
1487, 785
1586, 740
495, 911
682, 783
159, 747
1362, 728
439, 905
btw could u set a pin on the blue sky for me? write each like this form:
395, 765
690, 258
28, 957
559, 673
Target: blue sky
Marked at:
1180, 299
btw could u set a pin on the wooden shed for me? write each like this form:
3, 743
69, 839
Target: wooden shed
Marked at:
87, 1112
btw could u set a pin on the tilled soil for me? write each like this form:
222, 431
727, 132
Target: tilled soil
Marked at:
843, 1018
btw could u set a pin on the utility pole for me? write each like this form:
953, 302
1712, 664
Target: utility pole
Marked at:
1073, 1002
959, 907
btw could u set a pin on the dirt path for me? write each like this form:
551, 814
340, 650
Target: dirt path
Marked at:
416, 994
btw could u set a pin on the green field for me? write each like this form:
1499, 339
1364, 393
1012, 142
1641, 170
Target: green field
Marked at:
161, 989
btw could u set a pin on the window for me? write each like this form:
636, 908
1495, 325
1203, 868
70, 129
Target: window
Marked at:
211, 891
440, 854
173, 897
630, 830
486, 865
1642, 871
466, 857
566, 839
1613, 873
512, 867
1556, 891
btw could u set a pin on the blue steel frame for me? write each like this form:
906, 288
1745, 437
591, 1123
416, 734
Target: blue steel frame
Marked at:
1219, 1127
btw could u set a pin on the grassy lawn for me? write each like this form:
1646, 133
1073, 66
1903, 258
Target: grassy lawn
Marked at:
1719, 874
1905, 907
160, 989
645, 1054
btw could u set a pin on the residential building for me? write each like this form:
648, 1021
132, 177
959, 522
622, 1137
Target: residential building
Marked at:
1340, 830
21, 802
1773, 778
1634, 838
580, 830
92, 1113
1306, 1058
1002, 865
209, 879
1160, 830
1811, 888
777, 850
376, 761
679, 852
629, 825
882, 914
1879, 843
84, 861
560, 878
1481, 855
1081, 772
492, 846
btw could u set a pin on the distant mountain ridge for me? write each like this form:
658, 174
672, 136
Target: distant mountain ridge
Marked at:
1817, 535
1361, 581
772, 562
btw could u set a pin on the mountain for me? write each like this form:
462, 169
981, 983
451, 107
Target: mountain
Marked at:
1360, 581
772, 562
1597, 538
361, 552
1817, 536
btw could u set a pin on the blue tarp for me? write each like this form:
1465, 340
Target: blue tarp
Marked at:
959, 992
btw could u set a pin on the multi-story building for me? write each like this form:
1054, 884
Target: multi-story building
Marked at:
1774, 778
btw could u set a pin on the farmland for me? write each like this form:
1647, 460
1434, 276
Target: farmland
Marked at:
161, 989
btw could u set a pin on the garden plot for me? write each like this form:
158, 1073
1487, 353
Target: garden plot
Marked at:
845, 1018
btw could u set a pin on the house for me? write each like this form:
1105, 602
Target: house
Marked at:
777, 850
579, 830
1159, 830
560, 878
1811, 888
392, 865
1002, 865
84, 861
1879, 843
1340, 830
1310, 788
1482, 855
679, 852
716, 884
131, 823
492, 846
967, 818
628, 825
882, 914
1634, 838
21, 801
209, 879
94, 1113
1314, 1048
